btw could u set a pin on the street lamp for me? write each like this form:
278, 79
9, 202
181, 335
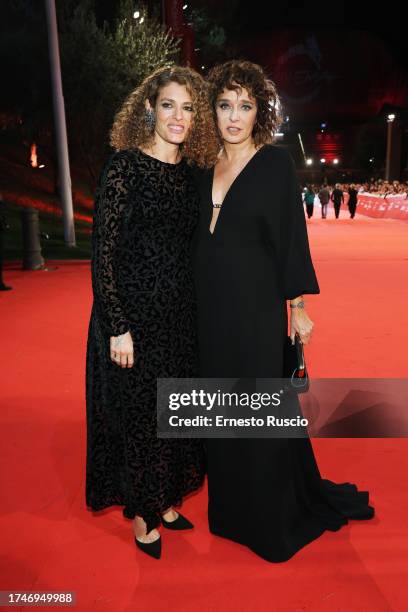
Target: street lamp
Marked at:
390, 123
60, 125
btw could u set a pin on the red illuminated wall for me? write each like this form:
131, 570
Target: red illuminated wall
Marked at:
331, 73
327, 145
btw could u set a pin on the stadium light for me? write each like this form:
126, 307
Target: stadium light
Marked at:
309, 161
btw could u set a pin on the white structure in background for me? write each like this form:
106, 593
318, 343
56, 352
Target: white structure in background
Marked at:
60, 126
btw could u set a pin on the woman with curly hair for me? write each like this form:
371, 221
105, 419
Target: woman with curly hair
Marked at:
251, 256
142, 324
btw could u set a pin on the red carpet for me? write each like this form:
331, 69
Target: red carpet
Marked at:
50, 541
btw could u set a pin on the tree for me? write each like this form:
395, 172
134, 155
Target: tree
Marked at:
101, 64
213, 45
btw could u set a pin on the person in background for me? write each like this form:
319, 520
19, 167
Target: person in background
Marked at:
337, 198
352, 202
324, 197
309, 197
3, 227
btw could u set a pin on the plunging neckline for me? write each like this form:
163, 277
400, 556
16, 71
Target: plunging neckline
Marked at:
228, 190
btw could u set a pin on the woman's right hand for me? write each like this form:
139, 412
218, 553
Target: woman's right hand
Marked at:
121, 350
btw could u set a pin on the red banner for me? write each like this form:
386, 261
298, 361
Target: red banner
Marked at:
389, 207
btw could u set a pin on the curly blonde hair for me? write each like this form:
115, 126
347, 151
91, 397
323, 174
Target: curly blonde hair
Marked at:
240, 74
130, 128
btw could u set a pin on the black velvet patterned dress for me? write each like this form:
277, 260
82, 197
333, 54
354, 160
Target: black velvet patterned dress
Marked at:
145, 213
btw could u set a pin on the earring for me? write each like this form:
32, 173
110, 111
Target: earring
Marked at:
150, 119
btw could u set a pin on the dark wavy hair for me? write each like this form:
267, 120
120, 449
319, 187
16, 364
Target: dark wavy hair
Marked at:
130, 129
240, 74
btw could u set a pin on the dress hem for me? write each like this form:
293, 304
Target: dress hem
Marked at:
152, 517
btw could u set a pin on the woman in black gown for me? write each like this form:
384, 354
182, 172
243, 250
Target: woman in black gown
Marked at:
143, 324
251, 255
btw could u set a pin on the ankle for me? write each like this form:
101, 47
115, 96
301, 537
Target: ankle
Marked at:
170, 515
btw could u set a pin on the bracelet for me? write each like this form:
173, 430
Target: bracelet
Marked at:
299, 304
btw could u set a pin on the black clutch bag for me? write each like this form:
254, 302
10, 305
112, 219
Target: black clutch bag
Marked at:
294, 366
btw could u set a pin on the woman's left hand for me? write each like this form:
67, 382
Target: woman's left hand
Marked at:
302, 324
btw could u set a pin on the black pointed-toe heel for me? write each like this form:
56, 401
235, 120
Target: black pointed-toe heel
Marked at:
150, 548
178, 524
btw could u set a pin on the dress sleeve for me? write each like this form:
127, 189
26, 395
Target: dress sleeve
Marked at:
110, 200
298, 273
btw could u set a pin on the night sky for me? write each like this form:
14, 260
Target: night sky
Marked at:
258, 17
244, 19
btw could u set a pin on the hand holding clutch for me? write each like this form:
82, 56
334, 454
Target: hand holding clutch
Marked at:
294, 366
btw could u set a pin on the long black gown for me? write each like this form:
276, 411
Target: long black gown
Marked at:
264, 493
145, 213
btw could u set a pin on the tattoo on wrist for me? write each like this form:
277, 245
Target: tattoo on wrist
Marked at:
300, 304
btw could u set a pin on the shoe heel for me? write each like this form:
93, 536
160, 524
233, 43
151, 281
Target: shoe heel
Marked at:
153, 549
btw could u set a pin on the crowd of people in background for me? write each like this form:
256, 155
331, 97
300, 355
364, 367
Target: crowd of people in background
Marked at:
384, 188
324, 194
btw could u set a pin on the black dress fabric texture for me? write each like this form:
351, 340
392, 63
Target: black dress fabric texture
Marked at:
144, 217
267, 494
